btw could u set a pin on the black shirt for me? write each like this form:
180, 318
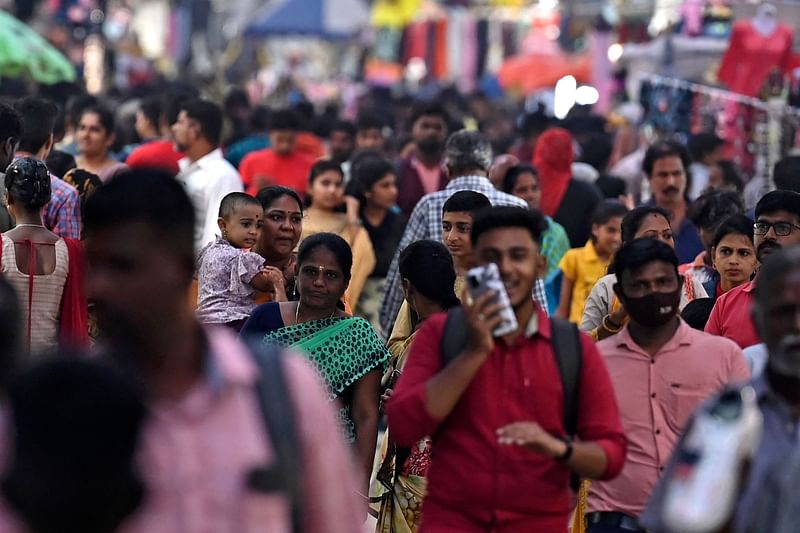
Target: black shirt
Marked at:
385, 239
576, 209
610, 186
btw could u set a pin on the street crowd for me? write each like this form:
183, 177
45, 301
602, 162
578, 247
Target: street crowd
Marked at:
275, 320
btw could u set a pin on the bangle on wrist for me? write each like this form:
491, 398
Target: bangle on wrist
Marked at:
610, 326
565, 457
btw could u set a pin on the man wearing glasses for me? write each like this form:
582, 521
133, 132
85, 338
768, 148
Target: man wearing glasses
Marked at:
777, 226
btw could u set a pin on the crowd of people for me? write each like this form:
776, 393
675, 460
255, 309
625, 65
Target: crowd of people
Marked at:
269, 320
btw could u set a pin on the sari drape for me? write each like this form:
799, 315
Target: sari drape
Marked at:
343, 350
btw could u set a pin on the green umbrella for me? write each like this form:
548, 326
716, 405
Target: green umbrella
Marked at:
25, 53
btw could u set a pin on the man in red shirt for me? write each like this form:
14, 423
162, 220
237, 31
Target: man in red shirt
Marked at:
777, 226
161, 153
281, 163
501, 456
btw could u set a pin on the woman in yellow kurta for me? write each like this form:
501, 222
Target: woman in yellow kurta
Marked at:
583, 267
326, 214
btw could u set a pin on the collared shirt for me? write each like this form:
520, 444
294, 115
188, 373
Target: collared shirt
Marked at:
583, 268
780, 439
196, 454
656, 395
426, 223
62, 214
730, 316
207, 181
474, 482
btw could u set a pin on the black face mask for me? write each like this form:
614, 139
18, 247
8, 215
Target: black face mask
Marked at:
655, 309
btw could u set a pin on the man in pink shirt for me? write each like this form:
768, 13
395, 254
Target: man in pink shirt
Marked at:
206, 442
422, 172
777, 226
662, 369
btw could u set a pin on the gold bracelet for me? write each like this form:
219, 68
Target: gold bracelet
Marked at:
608, 327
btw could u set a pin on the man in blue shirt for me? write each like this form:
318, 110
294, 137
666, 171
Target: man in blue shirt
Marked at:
665, 165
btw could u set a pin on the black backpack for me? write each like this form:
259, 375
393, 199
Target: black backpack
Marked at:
566, 347
275, 402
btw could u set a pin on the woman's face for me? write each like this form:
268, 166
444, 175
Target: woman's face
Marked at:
527, 188
383, 193
283, 224
655, 226
93, 139
735, 259
326, 191
320, 280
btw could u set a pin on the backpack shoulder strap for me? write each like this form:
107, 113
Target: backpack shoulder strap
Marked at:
569, 356
454, 337
274, 399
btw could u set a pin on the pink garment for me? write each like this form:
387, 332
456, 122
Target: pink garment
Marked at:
428, 177
656, 395
196, 455
751, 57
730, 316
469, 56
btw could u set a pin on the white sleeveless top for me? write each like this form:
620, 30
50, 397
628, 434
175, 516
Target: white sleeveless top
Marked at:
45, 313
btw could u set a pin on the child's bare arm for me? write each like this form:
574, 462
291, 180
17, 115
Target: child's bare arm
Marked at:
270, 279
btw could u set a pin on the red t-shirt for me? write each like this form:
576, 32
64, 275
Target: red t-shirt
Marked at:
730, 316
476, 484
156, 154
289, 171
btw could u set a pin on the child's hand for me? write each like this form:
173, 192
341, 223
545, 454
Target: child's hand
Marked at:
275, 278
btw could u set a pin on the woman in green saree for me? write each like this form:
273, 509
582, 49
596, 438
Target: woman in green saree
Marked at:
347, 353
428, 275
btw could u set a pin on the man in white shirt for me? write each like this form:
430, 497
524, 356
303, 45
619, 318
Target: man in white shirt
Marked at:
205, 174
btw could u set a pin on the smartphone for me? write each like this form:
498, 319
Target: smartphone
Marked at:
487, 278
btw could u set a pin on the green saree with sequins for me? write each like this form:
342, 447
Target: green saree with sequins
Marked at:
343, 349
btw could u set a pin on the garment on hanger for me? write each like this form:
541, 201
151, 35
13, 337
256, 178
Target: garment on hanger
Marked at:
668, 109
482, 35
469, 57
752, 55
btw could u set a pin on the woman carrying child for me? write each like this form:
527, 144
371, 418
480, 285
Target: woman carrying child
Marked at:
228, 273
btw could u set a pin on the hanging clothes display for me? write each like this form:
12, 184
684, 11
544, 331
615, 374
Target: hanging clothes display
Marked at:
747, 124
752, 56
666, 108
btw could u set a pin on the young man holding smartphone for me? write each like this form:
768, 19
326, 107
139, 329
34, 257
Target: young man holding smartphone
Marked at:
502, 458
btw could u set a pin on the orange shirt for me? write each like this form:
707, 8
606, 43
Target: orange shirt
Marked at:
289, 171
309, 144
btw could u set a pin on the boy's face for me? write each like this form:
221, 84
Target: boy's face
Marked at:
456, 229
